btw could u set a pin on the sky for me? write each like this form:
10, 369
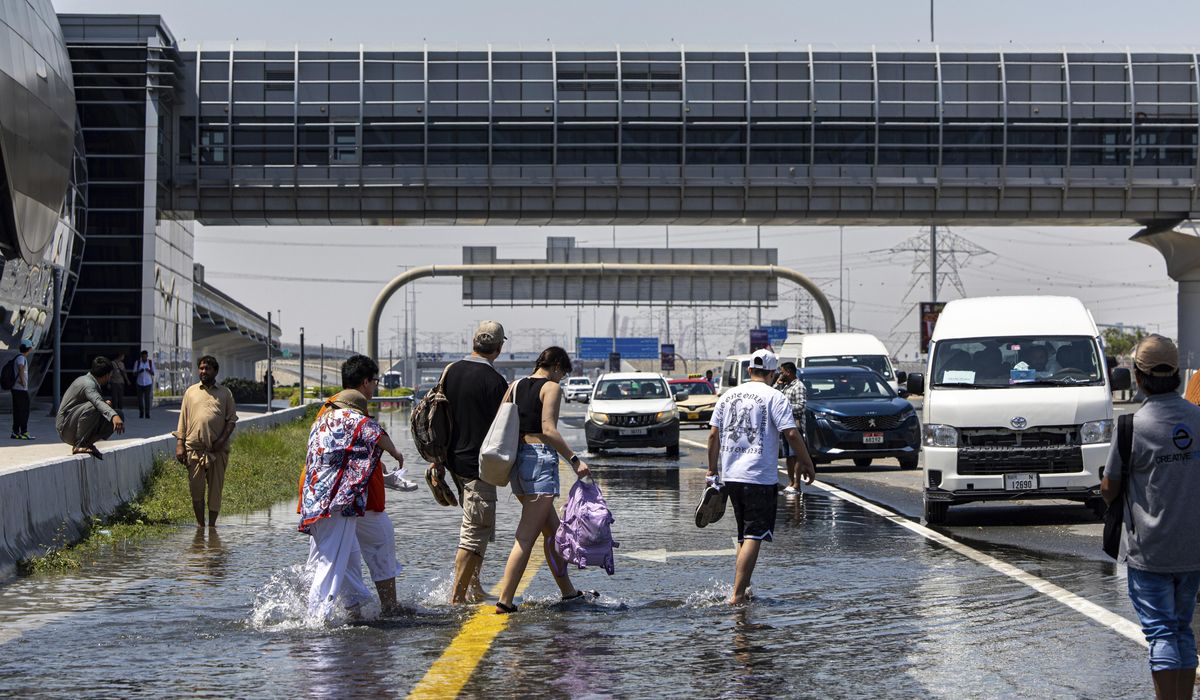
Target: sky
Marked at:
1120, 281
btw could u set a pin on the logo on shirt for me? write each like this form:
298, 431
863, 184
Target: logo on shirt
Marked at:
1181, 437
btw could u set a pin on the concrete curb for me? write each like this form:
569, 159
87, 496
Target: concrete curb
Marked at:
46, 504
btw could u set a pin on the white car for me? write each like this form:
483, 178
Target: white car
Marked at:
632, 409
577, 389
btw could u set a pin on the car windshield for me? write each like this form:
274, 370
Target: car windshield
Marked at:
879, 363
851, 385
624, 389
1005, 361
692, 388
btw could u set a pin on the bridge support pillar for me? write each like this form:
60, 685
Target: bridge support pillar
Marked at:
1182, 254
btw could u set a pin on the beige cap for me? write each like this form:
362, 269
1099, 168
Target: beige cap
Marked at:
1156, 351
489, 333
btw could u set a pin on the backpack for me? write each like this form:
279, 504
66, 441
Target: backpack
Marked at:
432, 423
584, 535
1114, 516
8, 375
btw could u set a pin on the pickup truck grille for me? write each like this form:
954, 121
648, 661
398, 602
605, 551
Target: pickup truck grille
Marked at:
998, 459
636, 421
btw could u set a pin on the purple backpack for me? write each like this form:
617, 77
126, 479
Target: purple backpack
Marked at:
584, 537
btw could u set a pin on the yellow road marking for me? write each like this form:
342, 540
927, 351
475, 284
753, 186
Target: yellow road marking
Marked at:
447, 676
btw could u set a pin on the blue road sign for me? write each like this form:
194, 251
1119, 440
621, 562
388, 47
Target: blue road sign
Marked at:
628, 348
775, 335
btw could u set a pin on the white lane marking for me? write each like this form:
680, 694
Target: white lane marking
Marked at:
1077, 603
661, 555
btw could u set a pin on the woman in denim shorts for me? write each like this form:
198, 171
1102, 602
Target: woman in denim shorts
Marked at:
535, 476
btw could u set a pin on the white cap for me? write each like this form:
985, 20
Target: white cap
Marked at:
765, 360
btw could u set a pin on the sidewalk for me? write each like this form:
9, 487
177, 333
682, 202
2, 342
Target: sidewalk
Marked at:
18, 453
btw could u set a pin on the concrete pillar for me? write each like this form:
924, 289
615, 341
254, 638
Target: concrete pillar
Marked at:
1182, 254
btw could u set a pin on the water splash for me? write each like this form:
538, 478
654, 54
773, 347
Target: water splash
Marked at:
717, 594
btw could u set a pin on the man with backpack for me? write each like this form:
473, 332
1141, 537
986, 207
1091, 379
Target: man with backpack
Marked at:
747, 424
15, 378
1157, 483
474, 390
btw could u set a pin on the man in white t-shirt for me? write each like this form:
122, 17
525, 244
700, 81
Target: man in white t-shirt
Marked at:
747, 424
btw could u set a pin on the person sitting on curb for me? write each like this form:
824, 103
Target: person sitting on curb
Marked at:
84, 417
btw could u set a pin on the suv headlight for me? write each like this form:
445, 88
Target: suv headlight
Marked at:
600, 418
907, 413
1095, 431
937, 435
662, 416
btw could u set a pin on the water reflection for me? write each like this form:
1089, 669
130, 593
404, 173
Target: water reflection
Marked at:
207, 557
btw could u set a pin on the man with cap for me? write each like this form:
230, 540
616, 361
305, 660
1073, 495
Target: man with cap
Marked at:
474, 390
747, 424
20, 392
1160, 492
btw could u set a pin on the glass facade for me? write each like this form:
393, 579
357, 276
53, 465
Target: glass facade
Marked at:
396, 136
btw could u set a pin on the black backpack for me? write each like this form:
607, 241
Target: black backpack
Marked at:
1114, 517
8, 375
432, 423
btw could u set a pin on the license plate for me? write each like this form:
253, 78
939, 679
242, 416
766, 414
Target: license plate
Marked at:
693, 416
633, 431
872, 438
1020, 482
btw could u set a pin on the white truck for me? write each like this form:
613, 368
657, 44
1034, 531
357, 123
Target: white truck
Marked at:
1017, 405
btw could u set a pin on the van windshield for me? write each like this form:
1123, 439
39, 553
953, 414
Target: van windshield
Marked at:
1015, 361
879, 363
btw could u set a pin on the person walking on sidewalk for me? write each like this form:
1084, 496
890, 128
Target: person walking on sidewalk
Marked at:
84, 417
20, 392
793, 391
535, 476
1158, 540
474, 390
747, 424
120, 380
207, 417
143, 371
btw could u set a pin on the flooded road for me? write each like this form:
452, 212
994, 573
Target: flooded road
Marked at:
847, 604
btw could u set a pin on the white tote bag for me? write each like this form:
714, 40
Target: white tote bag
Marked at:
498, 454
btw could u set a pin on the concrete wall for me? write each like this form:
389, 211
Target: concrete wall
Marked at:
46, 504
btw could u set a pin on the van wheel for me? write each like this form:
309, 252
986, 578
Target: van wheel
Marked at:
673, 450
862, 461
909, 461
935, 512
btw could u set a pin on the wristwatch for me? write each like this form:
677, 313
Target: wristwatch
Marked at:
574, 460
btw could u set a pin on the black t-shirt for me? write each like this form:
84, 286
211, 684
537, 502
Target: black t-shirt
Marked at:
475, 390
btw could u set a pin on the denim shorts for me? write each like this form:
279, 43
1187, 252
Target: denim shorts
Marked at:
1164, 604
536, 473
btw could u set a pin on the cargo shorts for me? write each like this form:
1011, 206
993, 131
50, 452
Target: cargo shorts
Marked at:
478, 499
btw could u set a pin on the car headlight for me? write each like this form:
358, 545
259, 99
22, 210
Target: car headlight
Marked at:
937, 435
662, 416
819, 415
907, 413
600, 418
1095, 431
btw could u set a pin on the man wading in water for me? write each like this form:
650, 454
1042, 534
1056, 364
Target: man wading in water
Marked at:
207, 417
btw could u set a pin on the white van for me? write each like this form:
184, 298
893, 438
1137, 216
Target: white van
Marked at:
1018, 403
735, 370
842, 349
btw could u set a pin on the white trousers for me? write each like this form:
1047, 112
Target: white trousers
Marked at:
377, 540
336, 564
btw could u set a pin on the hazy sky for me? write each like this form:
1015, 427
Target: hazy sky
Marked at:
1121, 282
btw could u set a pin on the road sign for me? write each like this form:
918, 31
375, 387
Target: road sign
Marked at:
594, 348
775, 335
668, 357
930, 311
758, 339
285, 353
630, 348
614, 362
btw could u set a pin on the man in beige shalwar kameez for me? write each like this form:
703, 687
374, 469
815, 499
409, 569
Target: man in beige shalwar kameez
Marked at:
206, 420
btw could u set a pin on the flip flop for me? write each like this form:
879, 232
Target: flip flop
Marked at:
581, 594
503, 609
711, 507
441, 492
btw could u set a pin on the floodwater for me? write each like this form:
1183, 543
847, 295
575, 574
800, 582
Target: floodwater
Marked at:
846, 605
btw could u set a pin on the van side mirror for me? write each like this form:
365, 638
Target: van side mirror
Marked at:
1120, 379
901, 376
916, 383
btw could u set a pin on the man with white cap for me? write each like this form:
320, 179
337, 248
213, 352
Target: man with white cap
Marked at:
1161, 485
747, 424
474, 390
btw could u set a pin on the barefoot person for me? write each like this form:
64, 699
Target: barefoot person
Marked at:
747, 424
84, 417
207, 417
535, 477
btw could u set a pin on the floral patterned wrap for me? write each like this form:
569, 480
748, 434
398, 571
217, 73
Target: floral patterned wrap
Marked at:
343, 448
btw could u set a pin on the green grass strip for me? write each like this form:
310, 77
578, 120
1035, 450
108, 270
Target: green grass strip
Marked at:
264, 466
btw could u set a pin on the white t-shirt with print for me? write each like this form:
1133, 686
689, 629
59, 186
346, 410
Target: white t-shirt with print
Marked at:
749, 419
19, 385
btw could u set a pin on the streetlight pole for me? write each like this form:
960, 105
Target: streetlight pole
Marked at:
301, 365
321, 384
270, 383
